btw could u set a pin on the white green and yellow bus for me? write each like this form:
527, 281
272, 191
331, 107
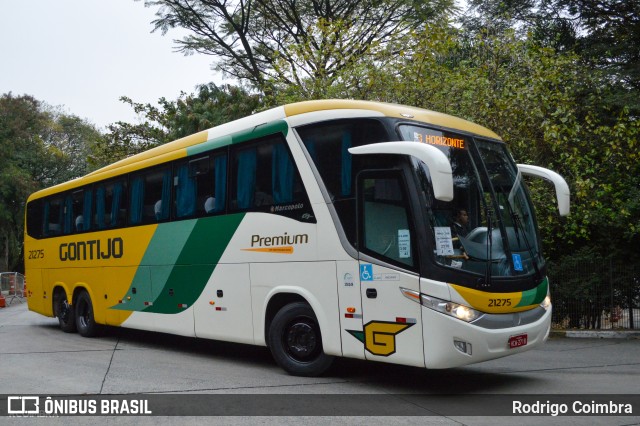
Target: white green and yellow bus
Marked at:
318, 229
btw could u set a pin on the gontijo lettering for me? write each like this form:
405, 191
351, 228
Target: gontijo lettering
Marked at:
92, 249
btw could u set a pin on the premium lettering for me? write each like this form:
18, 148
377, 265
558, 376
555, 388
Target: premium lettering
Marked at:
279, 240
112, 248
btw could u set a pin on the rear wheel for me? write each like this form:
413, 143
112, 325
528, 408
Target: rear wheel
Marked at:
296, 343
85, 322
64, 312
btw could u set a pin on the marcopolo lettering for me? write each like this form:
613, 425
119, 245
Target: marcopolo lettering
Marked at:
112, 248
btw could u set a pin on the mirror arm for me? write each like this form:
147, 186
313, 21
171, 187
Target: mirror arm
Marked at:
436, 160
562, 189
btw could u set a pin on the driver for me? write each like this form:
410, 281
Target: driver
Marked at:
460, 228
460, 225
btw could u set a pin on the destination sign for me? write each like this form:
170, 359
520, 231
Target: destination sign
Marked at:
439, 140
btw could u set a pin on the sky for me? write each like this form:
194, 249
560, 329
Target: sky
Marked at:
83, 55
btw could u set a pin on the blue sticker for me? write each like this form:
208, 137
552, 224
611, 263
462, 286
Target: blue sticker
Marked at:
366, 272
517, 262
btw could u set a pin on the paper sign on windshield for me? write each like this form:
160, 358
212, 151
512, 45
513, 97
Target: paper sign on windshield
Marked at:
404, 244
444, 244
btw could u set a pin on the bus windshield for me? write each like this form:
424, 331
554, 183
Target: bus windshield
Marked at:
489, 227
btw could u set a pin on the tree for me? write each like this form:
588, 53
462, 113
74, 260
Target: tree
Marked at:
604, 33
279, 43
39, 147
545, 105
170, 120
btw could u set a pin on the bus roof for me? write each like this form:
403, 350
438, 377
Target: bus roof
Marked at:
392, 110
176, 149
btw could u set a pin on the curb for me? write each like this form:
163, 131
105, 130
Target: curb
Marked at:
597, 334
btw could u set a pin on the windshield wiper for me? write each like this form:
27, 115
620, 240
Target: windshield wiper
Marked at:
518, 225
488, 274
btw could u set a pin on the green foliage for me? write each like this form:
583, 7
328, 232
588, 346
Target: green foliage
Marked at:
39, 147
172, 120
604, 33
546, 106
278, 44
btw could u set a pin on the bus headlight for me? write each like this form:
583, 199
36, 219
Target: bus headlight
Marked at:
455, 310
546, 303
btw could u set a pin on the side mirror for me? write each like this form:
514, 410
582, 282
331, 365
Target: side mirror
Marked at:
436, 160
562, 189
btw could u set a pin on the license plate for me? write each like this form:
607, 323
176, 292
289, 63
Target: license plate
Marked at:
517, 341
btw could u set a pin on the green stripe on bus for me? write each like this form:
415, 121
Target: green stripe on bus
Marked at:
273, 127
195, 264
178, 263
164, 248
535, 296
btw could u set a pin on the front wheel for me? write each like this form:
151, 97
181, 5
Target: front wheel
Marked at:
295, 341
85, 322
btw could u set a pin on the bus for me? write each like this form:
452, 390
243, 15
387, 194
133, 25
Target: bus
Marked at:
318, 229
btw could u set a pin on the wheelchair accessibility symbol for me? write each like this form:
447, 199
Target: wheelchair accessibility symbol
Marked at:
366, 272
517, 262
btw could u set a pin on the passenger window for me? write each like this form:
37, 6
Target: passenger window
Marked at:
386, 231
68, 214
35, 219
150, 196
53, 217
110, 204
264, 178
200, 186
74, 212
328, 146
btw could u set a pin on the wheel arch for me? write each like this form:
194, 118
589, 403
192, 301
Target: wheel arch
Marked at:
280, 296
276, 302
57, 287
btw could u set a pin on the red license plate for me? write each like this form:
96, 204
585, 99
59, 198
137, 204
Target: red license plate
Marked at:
517, 341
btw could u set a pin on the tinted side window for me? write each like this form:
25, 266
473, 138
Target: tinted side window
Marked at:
265, 178
53, 216
328, 144
35, 218
74, 220
150, 196
110, 202
200, 186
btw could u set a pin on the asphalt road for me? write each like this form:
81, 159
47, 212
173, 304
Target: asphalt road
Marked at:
37, 358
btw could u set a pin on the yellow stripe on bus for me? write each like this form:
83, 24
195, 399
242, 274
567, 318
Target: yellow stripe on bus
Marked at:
493, 303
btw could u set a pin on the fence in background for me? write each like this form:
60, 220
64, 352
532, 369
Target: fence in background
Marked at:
595, 295
12, 286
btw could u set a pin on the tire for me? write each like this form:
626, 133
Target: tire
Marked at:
296, 343
64, 312
85, 322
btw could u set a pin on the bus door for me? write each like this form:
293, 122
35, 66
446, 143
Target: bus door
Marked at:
392, 323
